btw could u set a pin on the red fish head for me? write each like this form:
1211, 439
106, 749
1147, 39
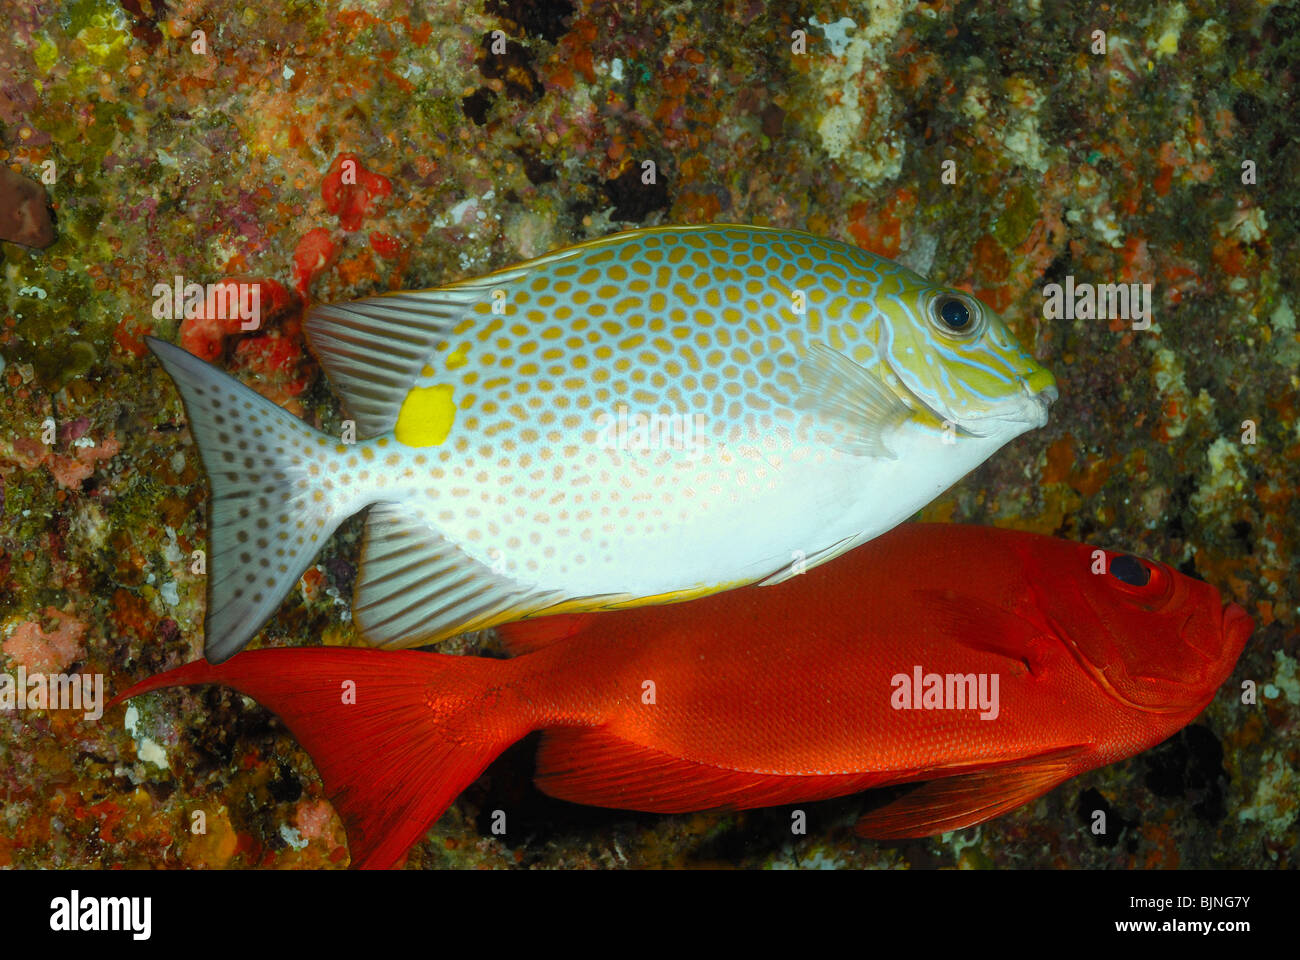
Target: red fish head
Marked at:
1153, 638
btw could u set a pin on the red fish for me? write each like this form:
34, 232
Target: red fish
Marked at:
991, 664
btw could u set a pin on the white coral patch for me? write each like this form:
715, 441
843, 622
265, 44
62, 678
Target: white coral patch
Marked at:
868, 147
1274, 802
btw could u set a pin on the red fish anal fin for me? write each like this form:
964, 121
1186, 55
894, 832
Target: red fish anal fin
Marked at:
395, 735
963, 800
592, 766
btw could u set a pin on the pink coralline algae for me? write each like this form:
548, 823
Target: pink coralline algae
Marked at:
42, 651
315, 251
204, 332
68, 471
275, 365
24, 212
313, 818
349, 189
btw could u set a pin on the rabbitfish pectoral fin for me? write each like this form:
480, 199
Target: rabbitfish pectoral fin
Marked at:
851, 401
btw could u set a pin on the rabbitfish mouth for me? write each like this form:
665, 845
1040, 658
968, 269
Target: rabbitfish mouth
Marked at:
1038, 404
1024, 411
1028, 410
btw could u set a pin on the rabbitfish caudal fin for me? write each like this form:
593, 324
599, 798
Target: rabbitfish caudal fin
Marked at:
270, 511
394, 735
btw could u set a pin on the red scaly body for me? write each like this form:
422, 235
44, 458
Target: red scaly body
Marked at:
782, 694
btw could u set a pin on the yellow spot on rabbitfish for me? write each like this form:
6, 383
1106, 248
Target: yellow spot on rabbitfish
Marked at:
426, 416
455, 359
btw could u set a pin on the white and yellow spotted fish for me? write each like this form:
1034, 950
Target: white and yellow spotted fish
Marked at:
645, 418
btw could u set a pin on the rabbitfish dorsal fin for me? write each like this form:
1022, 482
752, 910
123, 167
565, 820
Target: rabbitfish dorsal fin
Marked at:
374, 349
416, 587
850, 400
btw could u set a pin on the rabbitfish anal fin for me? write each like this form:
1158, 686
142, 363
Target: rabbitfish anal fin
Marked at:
416, 587
374, 349
849, 400
963, 800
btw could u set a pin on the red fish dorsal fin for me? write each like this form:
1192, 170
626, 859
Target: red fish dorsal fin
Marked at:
966, 799
384, 728
592, 766
527, 636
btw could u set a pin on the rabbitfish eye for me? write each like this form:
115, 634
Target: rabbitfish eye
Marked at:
955, 314
1131, 570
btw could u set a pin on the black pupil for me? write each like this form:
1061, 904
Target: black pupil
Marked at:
1130, 570
955, 314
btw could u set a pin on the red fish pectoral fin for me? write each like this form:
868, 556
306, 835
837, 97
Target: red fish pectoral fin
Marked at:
965, 799
385, 730
592, 766
980, 625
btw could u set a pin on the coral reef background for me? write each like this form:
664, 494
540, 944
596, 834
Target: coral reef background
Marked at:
208, 140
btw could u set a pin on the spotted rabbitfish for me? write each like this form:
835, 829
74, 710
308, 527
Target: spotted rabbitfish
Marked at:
649, 417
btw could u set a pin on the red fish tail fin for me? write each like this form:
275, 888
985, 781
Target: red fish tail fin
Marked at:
395, 735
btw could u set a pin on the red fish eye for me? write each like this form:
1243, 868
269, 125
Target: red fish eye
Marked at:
1130, 570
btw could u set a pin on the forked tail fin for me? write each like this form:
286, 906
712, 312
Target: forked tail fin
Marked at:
395, 735
271, 509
